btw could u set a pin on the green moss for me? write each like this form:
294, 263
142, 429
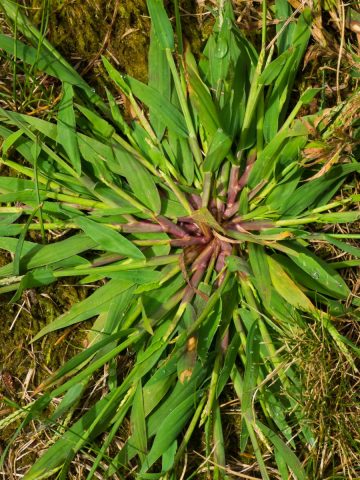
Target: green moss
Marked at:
20, 322
81, 31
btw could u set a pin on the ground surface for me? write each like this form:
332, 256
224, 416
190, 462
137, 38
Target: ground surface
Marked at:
83, 31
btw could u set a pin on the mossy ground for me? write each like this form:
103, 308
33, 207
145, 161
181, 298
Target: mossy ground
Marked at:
25, 365
82, 31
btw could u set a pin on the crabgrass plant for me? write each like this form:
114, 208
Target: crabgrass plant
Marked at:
193, 221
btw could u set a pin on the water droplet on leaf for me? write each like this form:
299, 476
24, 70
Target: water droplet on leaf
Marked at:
221, 48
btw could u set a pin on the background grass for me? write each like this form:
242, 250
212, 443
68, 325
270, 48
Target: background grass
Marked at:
320, 408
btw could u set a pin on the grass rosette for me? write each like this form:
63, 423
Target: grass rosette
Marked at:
192, 219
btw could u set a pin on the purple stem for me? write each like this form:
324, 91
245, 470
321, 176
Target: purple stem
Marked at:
191, 253
233, 207
255, 190
230, 211
190, 228
195, 200
190, 289
233, 185
226, 250
220, 207
187, 241
245, 176
213, 207
249, 226
197, 276
204, 257
143, 227
186, 219
170, 227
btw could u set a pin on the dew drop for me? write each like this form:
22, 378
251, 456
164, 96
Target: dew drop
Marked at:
221, 48
315, 275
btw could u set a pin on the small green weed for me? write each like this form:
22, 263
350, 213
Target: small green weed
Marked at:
197, 218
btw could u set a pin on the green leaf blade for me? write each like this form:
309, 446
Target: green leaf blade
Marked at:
66, 127
108, 239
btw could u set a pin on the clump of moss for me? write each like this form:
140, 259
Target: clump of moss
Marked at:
83, 31
20, 322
